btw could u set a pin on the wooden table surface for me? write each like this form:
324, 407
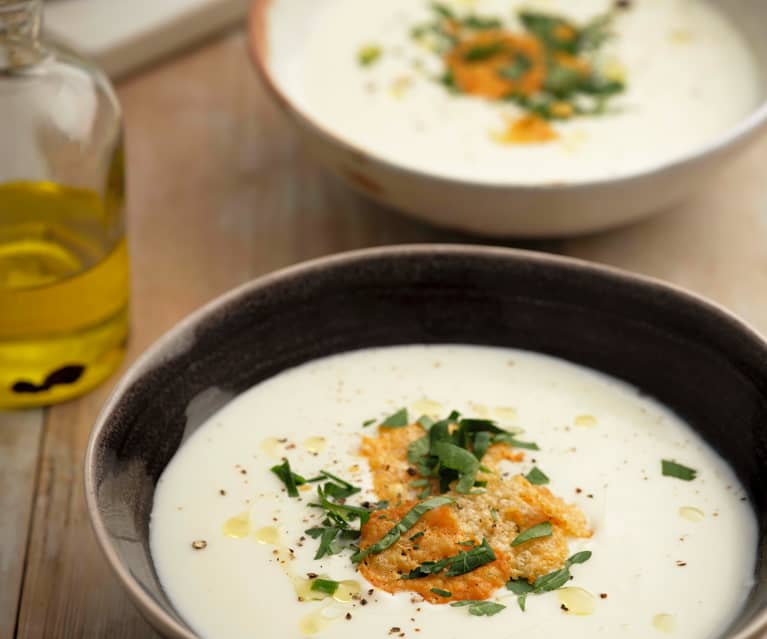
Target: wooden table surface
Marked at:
220, 191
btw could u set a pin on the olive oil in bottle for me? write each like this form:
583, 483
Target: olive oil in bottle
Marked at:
63, 257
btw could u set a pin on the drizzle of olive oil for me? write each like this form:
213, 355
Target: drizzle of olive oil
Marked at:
315, 444
690, 513
272, 447
664, 622
237, 527
577, 601
268, 535
63, 290
586, 421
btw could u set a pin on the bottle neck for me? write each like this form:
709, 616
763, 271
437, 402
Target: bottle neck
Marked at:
21, 19
20, 24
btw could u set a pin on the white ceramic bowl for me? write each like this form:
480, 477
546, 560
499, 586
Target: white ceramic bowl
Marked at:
279, 27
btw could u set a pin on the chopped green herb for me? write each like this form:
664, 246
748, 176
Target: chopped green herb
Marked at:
460, 564
538, 531
461, 460
513, 441
672, 469
494, 514
442, 593
480, 608
418, 535
369, 55
368, 422
340, 512
425, 422
443, 10
328, 586
417, 449
517, 68
397, 420
481, 444
288, 477
406, 523
537, 477
419, 483
579, 558
483, 51
521, 588
555, 32
486, 609
548, 582
481, 23
469, 543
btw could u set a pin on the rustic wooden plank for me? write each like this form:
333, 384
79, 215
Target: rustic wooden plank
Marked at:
20, 437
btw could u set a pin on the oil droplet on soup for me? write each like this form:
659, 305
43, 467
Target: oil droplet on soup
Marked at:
268, 535
586, 421
690, 513
664, 622
577, 601
271, 446
315, 444
238, 526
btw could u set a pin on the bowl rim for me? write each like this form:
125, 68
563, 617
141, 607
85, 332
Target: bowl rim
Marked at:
741, 131
164, 346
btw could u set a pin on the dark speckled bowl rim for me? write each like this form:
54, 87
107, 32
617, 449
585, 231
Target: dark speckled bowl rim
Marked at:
155, 613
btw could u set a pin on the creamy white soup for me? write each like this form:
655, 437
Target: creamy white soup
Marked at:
373, 73
659, 534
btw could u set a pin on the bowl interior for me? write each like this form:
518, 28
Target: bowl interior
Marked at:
691, 356
281, 29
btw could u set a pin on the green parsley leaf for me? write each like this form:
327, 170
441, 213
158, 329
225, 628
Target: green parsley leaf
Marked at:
537, 477
555, 32
328, 586
327, 538
481, 23
369, 55
442, 593
519, 586
479, 608
672, 469
461, 460
552, 581
513, 441
460, 564
481, 444
538, 531
579, 558
406, 523
443, 10
425, 422
482, 52
521, 65
343, 512
288, 477
486, 609
418, 449
397, 420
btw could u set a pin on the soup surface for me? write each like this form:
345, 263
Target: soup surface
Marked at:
372, 73
656, 547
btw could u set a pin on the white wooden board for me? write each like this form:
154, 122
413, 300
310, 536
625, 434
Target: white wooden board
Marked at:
121, 35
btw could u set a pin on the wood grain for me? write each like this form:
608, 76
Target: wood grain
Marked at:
20, 437
220, 190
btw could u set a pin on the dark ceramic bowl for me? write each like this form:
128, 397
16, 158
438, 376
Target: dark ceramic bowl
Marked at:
691, 355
